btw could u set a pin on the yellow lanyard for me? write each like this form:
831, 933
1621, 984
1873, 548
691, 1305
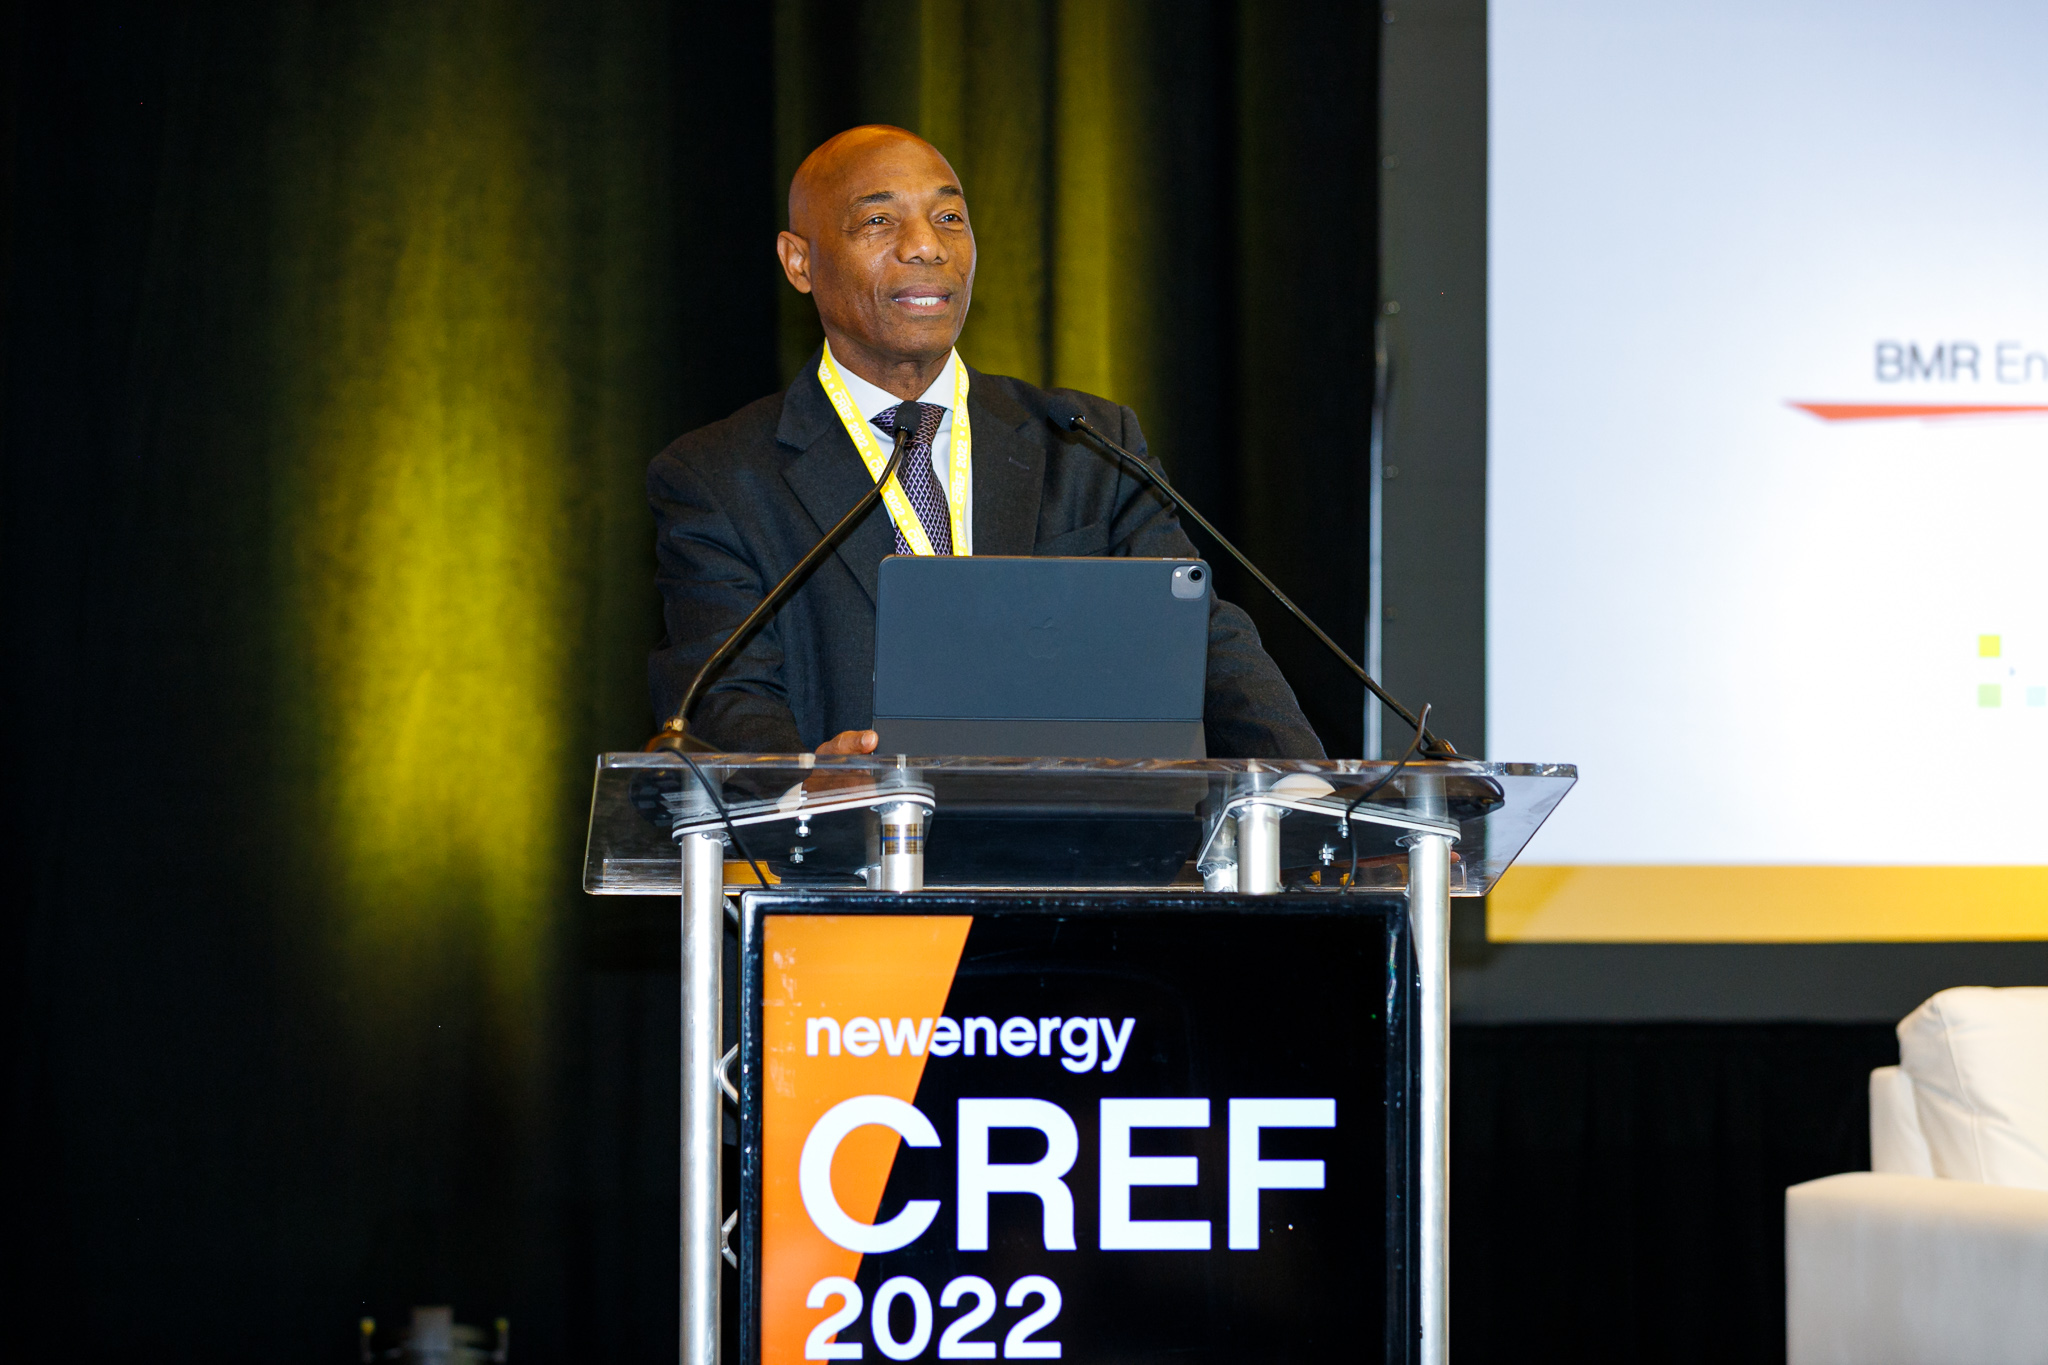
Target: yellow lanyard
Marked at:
959, 475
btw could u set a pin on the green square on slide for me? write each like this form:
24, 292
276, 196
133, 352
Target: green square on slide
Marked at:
1989, 694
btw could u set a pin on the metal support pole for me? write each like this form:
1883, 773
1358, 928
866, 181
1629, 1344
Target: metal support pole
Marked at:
902, 847
1429, 922
703, 1111
1258, 850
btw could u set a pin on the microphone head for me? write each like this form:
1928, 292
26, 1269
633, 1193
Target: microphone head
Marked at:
1064, 413
908, 414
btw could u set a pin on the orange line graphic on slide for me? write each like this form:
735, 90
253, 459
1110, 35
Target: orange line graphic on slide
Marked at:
877, 967
1873, 412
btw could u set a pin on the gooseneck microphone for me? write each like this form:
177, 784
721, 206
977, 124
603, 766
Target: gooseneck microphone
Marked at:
675, 732
1066, 415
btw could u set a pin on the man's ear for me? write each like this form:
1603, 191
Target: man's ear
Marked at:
796, 260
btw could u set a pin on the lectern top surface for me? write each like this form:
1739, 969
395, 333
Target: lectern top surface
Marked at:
1062, 822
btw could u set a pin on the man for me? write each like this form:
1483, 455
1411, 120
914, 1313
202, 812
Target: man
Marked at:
879, 237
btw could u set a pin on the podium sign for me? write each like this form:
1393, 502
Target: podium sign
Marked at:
1223, 990
1039, 1127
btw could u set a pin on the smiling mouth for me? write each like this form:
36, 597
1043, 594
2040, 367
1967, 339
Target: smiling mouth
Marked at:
923, 300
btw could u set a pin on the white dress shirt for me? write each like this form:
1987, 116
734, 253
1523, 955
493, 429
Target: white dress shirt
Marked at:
874, 402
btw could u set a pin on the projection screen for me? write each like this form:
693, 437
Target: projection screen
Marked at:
1768, 465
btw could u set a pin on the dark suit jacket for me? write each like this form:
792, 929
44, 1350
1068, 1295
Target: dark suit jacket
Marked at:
738, 502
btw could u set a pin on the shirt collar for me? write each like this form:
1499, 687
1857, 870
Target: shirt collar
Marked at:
872, 400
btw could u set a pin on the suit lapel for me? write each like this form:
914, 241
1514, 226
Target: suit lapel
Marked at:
828, 478
1009, 469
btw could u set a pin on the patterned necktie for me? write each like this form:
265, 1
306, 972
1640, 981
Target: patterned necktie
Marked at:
919, 485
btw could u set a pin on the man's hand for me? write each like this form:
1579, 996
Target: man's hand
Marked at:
845, 742
851, 742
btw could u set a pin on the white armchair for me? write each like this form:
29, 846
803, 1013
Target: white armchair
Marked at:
1938, 1255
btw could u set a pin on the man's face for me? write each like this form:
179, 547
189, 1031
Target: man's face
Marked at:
881, 239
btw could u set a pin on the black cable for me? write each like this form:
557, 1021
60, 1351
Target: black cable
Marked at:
732, 831
1350, 827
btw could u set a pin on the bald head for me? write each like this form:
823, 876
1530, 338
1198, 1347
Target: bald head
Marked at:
879, 237
855, 153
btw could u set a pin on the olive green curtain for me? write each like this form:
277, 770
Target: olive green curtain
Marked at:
432, 472
491, 236
337, 341
1049, 114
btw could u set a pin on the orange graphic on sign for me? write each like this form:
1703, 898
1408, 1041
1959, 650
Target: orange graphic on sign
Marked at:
895, 970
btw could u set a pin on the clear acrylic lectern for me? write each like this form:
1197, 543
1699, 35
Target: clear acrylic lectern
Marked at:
1423, 834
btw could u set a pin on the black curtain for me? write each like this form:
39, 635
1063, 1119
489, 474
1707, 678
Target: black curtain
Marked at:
230, 1139
1618, 1190
244, 1110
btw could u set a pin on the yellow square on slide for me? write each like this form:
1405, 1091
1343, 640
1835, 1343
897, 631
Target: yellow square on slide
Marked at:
1988, 646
